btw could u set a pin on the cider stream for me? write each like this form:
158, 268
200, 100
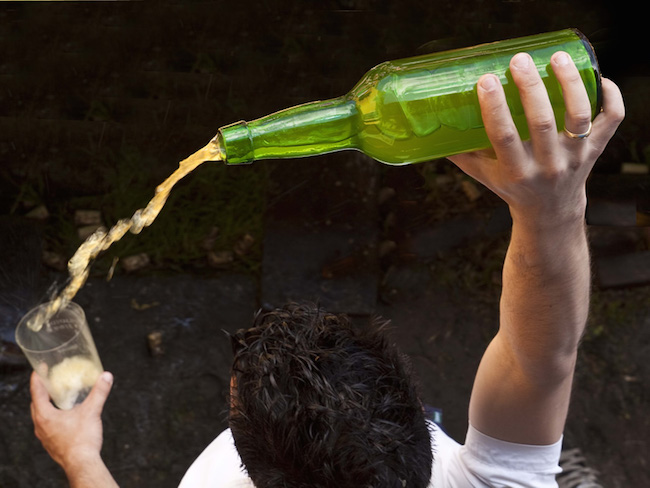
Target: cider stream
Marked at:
101, 240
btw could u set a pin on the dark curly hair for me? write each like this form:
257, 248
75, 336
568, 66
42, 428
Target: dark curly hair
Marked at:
317, 403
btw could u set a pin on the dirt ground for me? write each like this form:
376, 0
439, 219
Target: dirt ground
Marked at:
80, 82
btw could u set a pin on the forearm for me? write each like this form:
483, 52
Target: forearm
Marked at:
89, 472
545, 297
523, 385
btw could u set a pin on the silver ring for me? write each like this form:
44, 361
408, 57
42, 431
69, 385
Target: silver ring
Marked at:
584, 135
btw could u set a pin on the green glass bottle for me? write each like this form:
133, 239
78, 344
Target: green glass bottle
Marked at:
413, 109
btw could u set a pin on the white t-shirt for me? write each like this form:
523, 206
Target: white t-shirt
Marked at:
482, 462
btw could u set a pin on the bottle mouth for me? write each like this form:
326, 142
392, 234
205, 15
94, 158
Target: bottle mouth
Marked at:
235, 144
596, 67
218, 142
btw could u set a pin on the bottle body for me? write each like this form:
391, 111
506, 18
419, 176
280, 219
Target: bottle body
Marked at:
414, 109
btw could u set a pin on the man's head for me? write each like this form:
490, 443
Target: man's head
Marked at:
319, 404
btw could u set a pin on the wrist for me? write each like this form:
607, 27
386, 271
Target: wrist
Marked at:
545, 219
551, 207
81, 460
549, 245
87, 470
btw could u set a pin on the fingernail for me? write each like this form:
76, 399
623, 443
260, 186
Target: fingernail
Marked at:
561, 59
107, 377
521, 61
489, 82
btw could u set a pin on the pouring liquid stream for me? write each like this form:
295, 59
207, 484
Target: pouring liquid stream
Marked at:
80, 263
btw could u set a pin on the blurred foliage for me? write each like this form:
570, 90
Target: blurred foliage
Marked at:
612, 310
208, 211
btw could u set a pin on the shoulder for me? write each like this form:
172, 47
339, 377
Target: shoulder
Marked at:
483, 460
219, 465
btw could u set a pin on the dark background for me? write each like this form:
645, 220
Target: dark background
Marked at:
95, 95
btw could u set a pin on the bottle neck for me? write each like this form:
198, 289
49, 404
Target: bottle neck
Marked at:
309, 129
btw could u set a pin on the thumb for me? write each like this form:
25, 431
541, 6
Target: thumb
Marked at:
37, 389
98, 395
40, 396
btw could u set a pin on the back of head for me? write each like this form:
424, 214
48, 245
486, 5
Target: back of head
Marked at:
319, 404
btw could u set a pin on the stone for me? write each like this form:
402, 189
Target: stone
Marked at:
471, 190
385, 194
155, 343
38, 213
87, 230
220, 259
207, 244
612, 213
135, 262
136, 305
618, 200
634, 168
55, 260
87, 217
244, 245
631, 269
386, 247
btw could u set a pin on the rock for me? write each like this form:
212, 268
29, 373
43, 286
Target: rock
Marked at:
155, 343
611, 213
444, 180
625, 270
244, 245
38, 213
135, 305
471, 190
385, 194
390, 220
87, 230
608, 240
643, 219
220, 259
385, 248
87, 217
207, 244
619, 200
634, 168
55, 260
135, 262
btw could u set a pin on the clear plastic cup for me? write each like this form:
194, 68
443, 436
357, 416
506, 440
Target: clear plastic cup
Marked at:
62, 352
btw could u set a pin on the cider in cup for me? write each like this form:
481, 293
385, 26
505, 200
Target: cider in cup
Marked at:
62, 352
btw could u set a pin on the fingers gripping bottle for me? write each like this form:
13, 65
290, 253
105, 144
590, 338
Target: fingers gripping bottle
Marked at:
413, 109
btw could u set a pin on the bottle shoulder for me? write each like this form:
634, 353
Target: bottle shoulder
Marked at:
372, 79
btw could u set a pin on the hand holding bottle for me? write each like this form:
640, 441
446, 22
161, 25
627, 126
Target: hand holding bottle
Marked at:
543, 178
523, 386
